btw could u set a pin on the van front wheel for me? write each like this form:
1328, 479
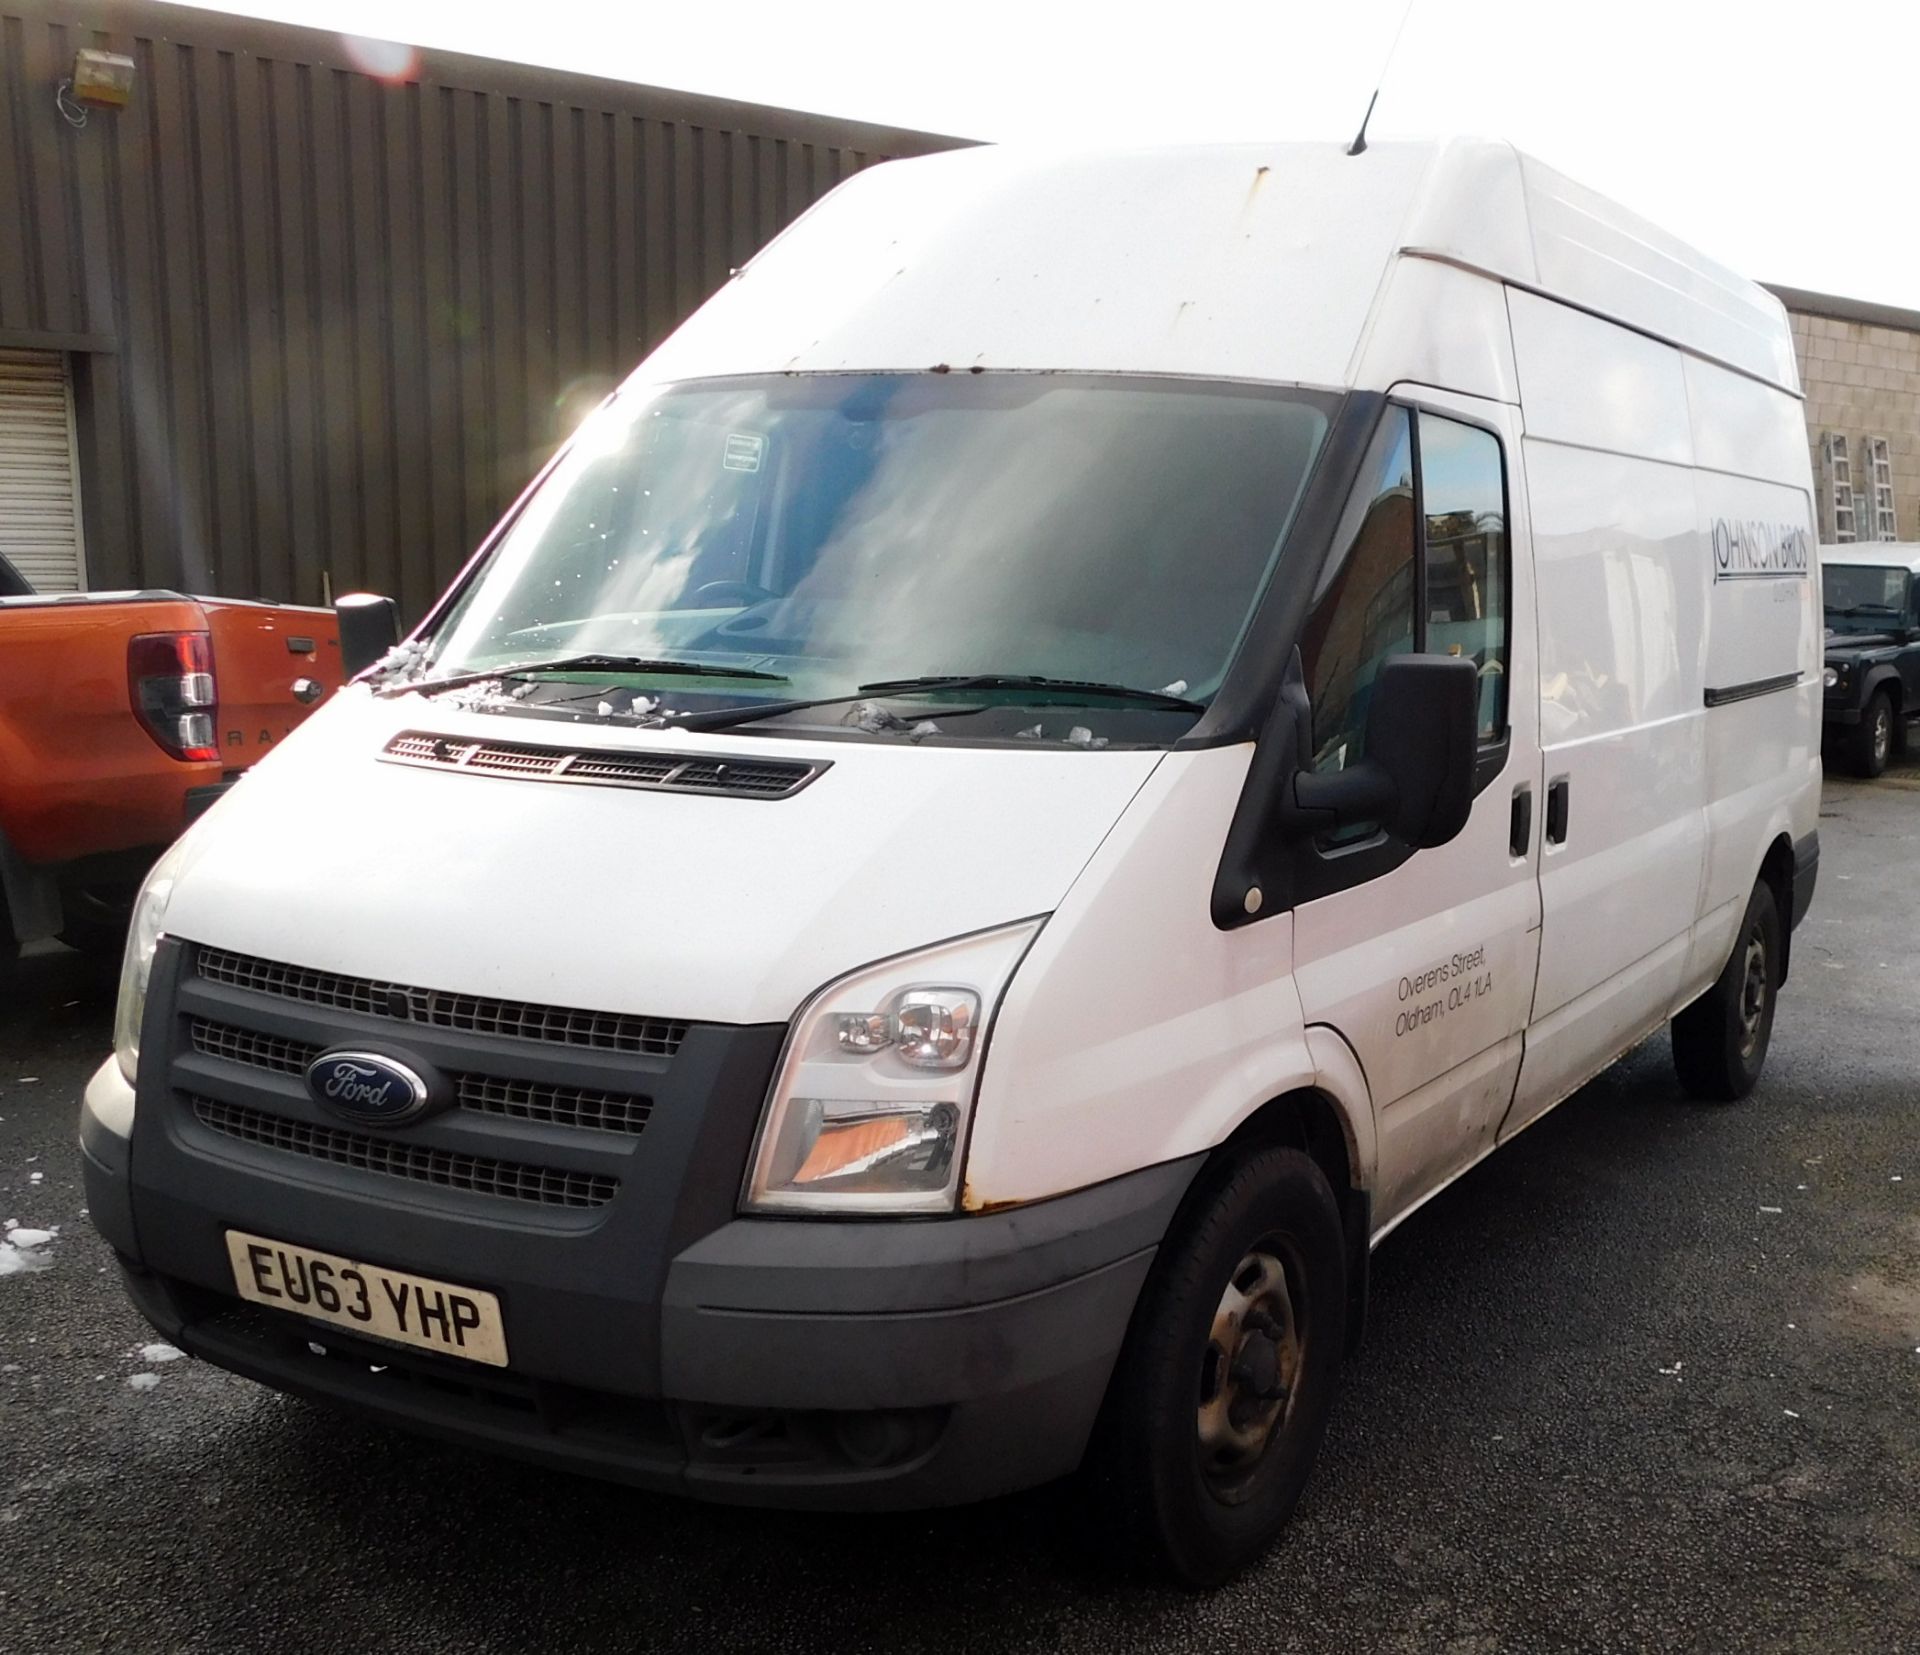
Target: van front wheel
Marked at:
1220, 1398
1720, 1041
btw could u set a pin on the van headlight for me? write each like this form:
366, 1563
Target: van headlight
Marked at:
870, 1104
143, 937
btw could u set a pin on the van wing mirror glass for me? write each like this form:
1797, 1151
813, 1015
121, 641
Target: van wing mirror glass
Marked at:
369, 627
1416, 780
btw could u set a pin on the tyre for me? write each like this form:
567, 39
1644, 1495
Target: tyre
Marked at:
1870, 743
1220, 1398
1720, 1041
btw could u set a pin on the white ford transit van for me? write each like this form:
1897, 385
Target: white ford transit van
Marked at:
1087, 735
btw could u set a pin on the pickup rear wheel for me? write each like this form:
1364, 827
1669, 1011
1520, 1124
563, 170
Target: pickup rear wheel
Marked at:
1871, 742
1219, 1401
1720, 1041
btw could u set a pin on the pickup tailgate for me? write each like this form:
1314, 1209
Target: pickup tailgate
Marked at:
265, 661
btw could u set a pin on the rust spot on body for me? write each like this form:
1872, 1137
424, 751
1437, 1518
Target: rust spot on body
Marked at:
972, 1203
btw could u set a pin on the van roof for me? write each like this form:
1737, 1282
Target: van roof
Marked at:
1243, 261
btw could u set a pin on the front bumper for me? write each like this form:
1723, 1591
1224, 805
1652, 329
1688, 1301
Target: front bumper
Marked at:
800, 1362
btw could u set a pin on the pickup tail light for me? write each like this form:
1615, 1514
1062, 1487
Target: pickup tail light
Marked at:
170, 683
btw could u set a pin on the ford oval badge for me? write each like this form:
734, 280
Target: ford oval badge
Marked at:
367, 1087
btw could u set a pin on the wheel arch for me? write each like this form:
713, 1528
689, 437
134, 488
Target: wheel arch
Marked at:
1330, 1121
1884, 677
1777, 874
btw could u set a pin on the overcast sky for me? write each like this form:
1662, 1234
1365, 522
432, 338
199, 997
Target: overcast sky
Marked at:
1779, 138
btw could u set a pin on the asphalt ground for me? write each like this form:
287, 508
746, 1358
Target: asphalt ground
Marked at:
1648, 1379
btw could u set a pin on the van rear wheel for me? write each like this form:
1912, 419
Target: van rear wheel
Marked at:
1219, 1401
1720, 1041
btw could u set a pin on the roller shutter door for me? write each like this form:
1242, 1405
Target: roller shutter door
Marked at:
39, 504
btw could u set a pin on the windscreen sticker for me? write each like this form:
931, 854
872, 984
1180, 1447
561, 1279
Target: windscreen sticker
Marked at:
744, 451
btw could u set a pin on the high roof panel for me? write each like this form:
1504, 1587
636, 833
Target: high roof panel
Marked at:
1495, 209
1248, 261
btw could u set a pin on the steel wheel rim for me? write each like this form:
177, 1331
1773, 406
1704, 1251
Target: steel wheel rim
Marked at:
1250, 1369
1882, 735
1753, 993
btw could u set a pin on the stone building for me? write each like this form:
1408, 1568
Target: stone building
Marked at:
1860, 366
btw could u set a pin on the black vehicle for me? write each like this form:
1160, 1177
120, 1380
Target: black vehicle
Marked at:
1873, 653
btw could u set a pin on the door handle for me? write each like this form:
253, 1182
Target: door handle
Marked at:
1557, 806
1520, 833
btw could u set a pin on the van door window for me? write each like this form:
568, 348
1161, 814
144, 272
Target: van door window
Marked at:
1463, 511
1365, 608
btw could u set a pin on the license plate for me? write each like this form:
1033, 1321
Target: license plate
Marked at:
384, 1304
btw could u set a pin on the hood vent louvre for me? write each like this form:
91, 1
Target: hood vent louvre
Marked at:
654, 772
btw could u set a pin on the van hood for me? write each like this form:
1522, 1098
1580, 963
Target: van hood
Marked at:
703, 908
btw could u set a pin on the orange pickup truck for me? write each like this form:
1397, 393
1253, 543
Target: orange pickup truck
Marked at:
123, 715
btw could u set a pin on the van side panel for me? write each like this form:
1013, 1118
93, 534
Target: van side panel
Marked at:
1136, 1031
1755, 517
1471, 351
1620, 573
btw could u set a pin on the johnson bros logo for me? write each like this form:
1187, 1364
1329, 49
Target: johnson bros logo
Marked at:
1752, 550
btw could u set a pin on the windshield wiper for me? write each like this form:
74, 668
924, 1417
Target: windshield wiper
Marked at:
582, 663
1082, 689
1867, 609
1068, 690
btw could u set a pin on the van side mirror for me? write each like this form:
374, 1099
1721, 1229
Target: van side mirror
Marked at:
369, 627
1416, 780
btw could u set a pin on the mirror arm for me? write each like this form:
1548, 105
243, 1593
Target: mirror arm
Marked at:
1318, 803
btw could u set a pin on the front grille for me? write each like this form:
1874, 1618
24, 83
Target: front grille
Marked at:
440, 1009
538, 1100
258, 1051
661, 772
399, 1158
525, 1100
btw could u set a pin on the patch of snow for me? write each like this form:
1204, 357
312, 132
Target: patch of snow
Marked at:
1789, 1413
24, 1250
161, 1353
142, 1381
41, 1178
1770, 1209
1672, 1372
873, 718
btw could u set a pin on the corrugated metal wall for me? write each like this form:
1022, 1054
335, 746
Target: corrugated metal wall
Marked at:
326, 323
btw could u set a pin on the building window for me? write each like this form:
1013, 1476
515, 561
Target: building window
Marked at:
1880, 471
1838, 466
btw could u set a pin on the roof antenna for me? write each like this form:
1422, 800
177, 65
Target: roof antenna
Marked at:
1359, 144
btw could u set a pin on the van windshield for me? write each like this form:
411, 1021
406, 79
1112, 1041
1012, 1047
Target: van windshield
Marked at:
835, 531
